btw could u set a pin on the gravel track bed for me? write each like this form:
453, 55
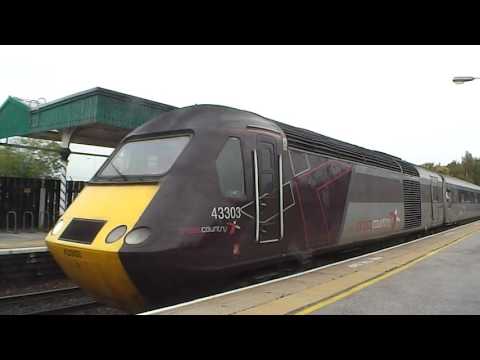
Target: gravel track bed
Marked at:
100, 310
32, 304
7, 289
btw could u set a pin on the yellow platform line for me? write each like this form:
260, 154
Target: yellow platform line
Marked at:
332, 299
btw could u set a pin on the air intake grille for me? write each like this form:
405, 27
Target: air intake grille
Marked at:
408, 168
412, 204
311, 141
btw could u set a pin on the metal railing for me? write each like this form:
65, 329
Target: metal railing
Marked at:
24, 227
14, 213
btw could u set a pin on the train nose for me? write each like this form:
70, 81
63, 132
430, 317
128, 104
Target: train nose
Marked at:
91, 233
99, 273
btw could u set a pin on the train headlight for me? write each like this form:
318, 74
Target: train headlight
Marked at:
57, 227
116, 234
137, 236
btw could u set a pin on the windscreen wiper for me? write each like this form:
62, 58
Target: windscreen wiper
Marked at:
119, 172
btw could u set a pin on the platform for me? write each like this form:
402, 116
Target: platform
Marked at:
11, 242
446, 283
437, 274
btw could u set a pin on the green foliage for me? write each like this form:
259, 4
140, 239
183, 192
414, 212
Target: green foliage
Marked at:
468, 169
30, 163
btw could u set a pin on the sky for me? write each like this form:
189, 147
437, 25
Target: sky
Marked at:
396, 99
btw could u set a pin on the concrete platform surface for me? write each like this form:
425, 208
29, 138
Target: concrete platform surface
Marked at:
446, 283
22, 240
317, 290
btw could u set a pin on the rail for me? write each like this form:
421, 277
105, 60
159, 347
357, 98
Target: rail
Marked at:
65, 310
46, 301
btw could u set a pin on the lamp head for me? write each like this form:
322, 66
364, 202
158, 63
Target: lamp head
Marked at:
462, 79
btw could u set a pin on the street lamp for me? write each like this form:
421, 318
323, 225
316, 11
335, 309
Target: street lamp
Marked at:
463, 79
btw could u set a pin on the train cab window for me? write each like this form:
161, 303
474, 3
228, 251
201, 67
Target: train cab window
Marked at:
230, 169
151, 157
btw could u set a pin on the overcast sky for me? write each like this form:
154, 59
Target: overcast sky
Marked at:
396, 99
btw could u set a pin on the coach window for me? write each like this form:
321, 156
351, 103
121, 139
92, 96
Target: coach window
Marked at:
437, 193
230, 169
299, 161
470, 197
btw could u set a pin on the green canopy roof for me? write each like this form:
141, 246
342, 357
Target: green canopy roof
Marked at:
101, 117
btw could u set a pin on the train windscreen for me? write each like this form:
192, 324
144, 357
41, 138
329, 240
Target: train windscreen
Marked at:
152, 157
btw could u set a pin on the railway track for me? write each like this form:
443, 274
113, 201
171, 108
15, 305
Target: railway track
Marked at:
28, 266
54, 301
69, 309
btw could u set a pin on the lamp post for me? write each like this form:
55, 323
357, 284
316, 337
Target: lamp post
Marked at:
463, 79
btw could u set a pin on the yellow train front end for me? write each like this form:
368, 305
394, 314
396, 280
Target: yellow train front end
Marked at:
80, 245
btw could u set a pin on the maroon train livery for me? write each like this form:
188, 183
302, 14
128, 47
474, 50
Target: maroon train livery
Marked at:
205, 192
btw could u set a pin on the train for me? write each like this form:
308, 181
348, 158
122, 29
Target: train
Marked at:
207, 191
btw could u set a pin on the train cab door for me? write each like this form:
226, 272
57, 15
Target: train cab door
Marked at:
435, 197
267, 161
432, 197
266, 190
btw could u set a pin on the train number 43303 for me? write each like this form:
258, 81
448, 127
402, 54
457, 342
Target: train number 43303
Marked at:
226, 212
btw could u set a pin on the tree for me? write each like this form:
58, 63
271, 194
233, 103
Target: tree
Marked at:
437, 168
468, 169
429, 166
468, 163
30, 163
456, 170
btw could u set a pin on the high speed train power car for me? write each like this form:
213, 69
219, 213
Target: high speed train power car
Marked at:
208, 191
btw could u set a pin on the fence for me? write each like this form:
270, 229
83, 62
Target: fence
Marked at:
32, 204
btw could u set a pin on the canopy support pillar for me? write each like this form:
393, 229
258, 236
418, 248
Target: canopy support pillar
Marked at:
65, 144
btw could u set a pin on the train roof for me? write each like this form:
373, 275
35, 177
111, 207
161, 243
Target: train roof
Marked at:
303, 139
202, 117
425, 173
296, 137
455, 181
314, 142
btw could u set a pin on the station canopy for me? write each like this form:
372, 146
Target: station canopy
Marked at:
99, 116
